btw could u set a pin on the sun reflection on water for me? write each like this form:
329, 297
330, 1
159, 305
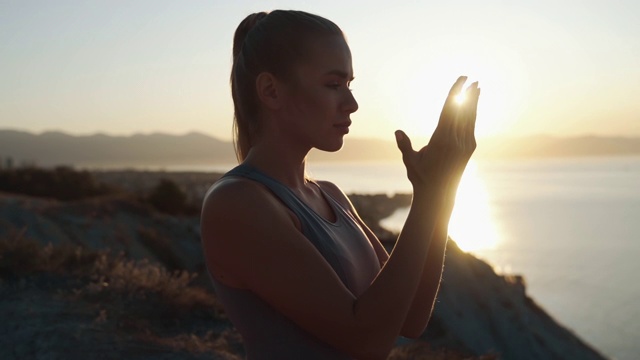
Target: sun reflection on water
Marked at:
472, 225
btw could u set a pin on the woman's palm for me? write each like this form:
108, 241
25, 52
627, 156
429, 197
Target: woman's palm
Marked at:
451, 144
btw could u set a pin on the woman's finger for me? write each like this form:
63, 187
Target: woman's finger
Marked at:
461, 114
404, 143
473, 110
469, 105
447, 116
456, 88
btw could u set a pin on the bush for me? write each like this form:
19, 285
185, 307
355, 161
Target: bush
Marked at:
168, 198
108, 278
160, 246
61, 183
21, 256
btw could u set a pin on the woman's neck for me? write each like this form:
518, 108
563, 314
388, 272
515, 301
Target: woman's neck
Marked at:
280, 161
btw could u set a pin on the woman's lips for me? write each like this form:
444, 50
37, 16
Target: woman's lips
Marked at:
343, 126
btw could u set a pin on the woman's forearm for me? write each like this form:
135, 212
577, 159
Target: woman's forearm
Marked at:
424, 300
388, 300
422, 306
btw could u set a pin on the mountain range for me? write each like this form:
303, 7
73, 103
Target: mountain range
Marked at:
196, 149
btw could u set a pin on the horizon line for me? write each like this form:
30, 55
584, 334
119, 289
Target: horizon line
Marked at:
200, 132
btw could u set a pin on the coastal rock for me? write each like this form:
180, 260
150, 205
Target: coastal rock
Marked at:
119, 224
373, 208
480, 312
477, 312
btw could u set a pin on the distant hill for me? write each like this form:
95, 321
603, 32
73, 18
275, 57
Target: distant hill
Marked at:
550, 146
197, 149
99, 150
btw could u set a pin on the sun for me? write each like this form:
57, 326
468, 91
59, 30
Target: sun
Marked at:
460, 98
423, 89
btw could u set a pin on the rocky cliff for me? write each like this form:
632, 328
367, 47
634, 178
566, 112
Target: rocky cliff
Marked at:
85, 301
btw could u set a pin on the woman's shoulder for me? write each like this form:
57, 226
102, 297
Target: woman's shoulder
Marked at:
237, 215
230, 187
236, 196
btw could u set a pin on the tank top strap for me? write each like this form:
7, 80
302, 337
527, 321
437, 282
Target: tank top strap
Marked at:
281, 191
314, 227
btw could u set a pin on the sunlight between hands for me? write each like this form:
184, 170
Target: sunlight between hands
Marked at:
452, 143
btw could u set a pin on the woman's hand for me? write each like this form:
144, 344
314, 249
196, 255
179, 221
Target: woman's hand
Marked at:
451, 144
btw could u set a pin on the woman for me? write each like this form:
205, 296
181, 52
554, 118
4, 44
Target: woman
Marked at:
299, 273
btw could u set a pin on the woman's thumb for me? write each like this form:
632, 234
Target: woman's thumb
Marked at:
403, 141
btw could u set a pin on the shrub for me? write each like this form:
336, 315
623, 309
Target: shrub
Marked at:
168, 198
108, 278
160, 246
21, 256
420, 350
226, 345
62, 183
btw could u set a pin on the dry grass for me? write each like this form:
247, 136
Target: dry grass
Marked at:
108, 278
224, 345
420, 350
121, 279
21, 256
129, 299
160, 246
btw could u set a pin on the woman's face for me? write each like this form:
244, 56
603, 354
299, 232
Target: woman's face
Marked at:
318, 101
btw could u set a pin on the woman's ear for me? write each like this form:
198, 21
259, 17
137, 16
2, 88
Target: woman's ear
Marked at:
268, 90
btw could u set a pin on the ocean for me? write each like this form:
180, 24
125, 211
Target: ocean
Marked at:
570, 226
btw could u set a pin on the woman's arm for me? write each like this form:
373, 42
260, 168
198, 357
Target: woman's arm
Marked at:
423, 303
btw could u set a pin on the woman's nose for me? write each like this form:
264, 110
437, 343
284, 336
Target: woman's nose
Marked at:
350, 104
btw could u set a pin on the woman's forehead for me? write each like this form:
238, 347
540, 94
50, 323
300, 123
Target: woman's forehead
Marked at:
330, 55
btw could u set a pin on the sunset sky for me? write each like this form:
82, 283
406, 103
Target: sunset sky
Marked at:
121, 67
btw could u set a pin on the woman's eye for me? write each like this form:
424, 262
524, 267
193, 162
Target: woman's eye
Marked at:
336, 86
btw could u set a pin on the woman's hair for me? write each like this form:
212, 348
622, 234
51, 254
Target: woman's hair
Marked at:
267, 42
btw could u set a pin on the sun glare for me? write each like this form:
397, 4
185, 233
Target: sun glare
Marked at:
472, 226
499, 73
460, 98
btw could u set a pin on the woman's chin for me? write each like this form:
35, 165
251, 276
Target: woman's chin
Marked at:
331, 146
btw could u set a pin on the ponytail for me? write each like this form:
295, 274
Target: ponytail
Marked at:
244, 125
271, 42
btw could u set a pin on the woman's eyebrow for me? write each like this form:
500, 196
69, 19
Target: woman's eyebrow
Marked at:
341, 74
